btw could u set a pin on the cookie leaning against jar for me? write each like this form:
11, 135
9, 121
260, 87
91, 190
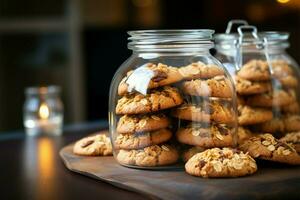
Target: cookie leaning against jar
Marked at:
156, 100
219, 163
266, 147
95, 145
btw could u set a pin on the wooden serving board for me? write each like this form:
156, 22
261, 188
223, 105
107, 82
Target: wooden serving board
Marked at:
272, 180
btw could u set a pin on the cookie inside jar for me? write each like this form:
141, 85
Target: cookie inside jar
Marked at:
266, 80
170, 89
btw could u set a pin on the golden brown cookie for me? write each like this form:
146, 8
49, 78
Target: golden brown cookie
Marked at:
276, 98
218, 86
163, 75
246, 87
265, 146
255, 70
140, 123
188, 153
249, 115
281, 68
200, 70
218, 163
292, 108
288, 81
206, 112
159, 99
157, 155
96, 145
272, 126
141, 140
291, 123
292, 138
214, 136
243, 134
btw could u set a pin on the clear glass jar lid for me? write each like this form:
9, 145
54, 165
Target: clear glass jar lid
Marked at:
170, 40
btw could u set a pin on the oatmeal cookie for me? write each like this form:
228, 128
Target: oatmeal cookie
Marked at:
206, 112
156, 100
188, 153
157, 155
248, 115
141, 140
265, 146
218, 163
219, 86
140, 123
163, 75
96, 145
214, 136
200, 70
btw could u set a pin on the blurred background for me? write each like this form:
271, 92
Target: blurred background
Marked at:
79, 44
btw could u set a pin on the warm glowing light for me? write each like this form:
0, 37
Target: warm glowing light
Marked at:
283, 1
44, 111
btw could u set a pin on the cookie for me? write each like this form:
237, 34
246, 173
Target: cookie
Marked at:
159, 99
292, 108
291, 123
281, 68
265, 146
141, 140
96, 145
140, 123
200, 70
243, 134
188, 153
272, 126
288, 81
246, 87
163, 75
219, 163
214, 136
255, 70
206, 112
157, 155
276, 98
292, 138
218, 86
248, 115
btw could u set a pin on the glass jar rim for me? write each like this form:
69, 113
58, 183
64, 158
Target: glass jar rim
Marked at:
43, 90
166, 39
273, 38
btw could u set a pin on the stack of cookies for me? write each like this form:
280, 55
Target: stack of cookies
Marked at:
267, 103
206, 119
143, 129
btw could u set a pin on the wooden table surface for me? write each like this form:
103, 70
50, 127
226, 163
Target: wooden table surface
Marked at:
32, 169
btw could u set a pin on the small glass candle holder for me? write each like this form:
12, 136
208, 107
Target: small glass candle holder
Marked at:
43, 111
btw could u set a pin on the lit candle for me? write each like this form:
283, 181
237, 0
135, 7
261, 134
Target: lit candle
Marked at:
43, 111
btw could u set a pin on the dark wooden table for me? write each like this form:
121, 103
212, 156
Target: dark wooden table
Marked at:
32, 169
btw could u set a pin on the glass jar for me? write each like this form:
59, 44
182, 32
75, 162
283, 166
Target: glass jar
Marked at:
43, 111
171, 94
266, 79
